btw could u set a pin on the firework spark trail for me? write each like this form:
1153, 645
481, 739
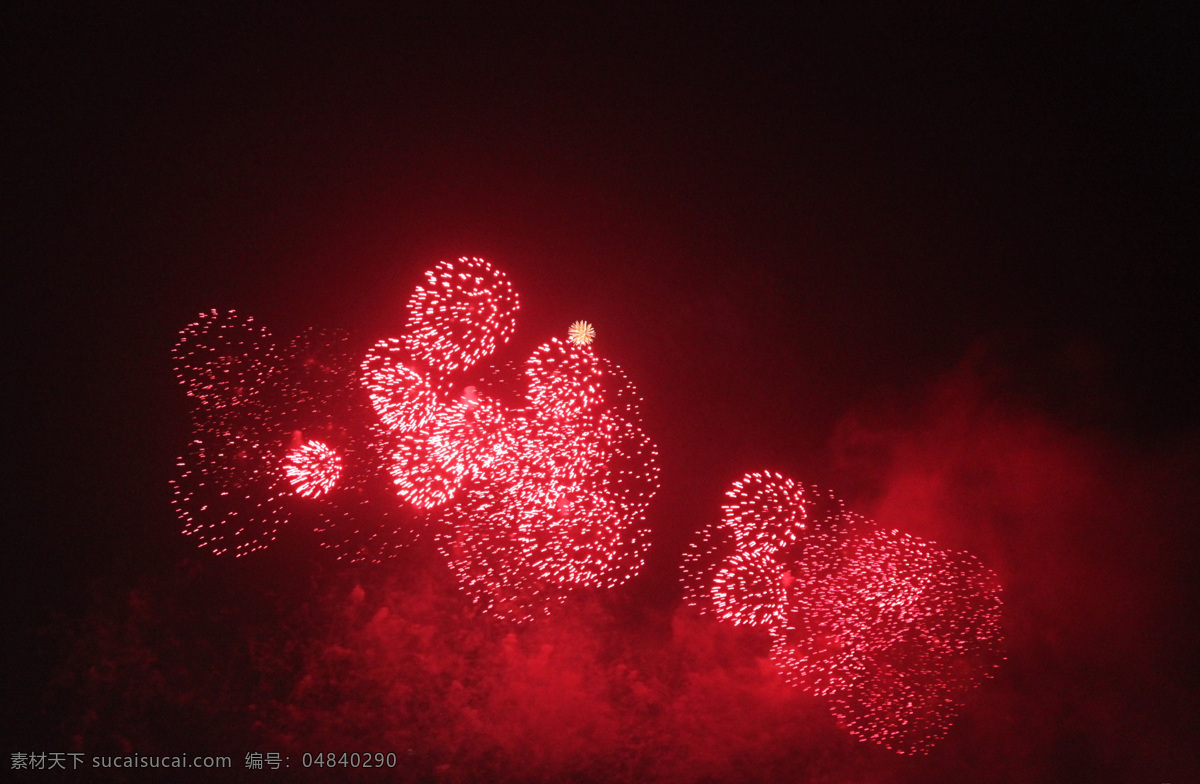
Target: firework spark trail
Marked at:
564, 379
224, 361
768, 520
902, 634
228, 497
491, 562
421, 479
539, 485
892, 629
541, 481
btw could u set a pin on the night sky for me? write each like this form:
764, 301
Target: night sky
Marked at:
939, 262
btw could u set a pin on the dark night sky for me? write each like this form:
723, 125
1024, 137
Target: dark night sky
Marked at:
795, 229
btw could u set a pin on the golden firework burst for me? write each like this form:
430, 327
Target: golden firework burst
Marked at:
581, 333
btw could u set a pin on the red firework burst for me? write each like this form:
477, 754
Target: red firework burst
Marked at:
541, 483
897, 636
577, 538
227, 496
773, 534
402, 398
563, 528
566, 486
232, 492
465, 309
892, 629
492, 564
313, 469
421, 479
749, 588
765, 511
565, 379
224, 360
478, 438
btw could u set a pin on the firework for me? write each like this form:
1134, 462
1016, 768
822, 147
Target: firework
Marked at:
491, 563
559, 488
465, 309
581, 333
402, 398
360, 519
765, 511
224, 360
621, 398
478, 438
538, 477
227, 495
313, 469
240, 483
631, 470
565, 379
892, 629
318, 368
774, 534
748, 589
576, 538
896, 638
421, 479
567, 520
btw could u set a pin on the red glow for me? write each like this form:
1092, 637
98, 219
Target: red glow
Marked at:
234, 490
566, 496
749, 589
765, 511
224, 360
227, 496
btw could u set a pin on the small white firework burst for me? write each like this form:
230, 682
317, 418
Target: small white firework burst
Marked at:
581, 333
